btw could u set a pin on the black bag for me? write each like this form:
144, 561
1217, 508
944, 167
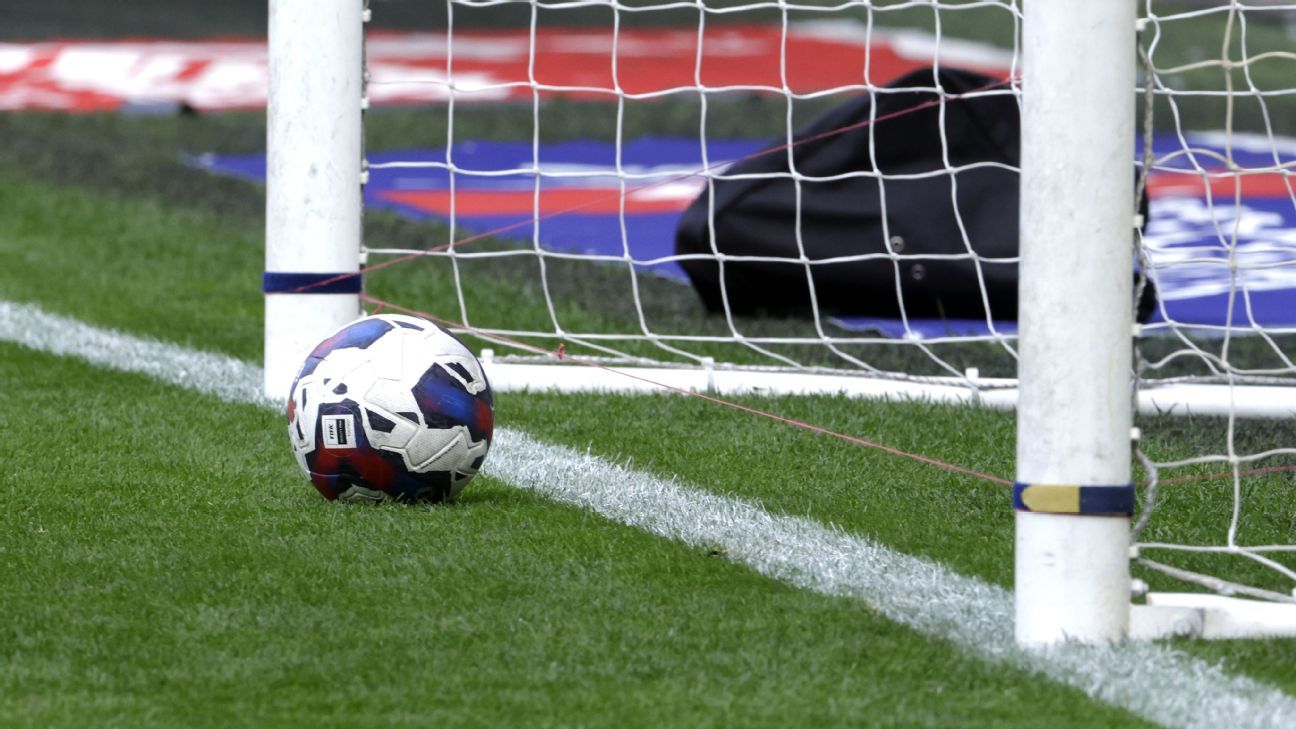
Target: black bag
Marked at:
913, 217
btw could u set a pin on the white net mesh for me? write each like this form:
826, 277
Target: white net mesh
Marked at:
1221, 248
735, 80
567, 137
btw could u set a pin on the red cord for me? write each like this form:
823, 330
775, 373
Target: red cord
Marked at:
560, 353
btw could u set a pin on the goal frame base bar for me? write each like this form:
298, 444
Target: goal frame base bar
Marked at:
1210, 617
577, 377
1246, 401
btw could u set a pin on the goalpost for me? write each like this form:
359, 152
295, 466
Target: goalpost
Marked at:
1074, 491
1084, 368
314, 140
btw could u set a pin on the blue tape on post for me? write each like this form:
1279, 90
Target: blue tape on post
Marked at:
346, 282
1072, 499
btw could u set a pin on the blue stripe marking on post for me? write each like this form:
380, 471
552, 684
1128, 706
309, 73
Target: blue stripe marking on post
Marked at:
1115, 500
343, 282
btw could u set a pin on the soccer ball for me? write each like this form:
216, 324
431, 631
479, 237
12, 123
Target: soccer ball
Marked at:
391, 407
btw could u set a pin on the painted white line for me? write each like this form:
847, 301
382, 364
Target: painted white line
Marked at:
212, 374
1158, 683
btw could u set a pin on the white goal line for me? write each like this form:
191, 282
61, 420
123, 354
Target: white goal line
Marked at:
1161, 684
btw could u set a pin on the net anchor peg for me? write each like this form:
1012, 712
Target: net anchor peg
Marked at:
972, 374
708, 365
1139, 221
366, 15
364, 103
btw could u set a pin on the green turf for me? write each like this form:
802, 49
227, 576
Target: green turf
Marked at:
190, 277
902, 502
183, 275
51, 233
956, 519
167, 565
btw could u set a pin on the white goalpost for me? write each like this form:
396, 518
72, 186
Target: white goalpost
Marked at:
1074, 492
1093, 80
313, 179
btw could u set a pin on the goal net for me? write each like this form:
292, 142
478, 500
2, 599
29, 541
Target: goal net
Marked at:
574, 135
1217, 148
818, 197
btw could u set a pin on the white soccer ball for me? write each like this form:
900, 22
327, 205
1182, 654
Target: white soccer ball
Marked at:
391, 407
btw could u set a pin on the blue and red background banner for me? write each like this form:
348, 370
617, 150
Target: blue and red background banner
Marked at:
1202, 230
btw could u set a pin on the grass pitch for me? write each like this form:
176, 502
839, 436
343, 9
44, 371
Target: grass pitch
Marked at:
165, 564
169, 565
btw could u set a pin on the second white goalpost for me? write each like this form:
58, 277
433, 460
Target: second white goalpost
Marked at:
1074, 493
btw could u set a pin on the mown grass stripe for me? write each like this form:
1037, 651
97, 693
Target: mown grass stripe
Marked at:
1154, 681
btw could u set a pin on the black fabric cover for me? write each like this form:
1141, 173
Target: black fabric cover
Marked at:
845, 217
